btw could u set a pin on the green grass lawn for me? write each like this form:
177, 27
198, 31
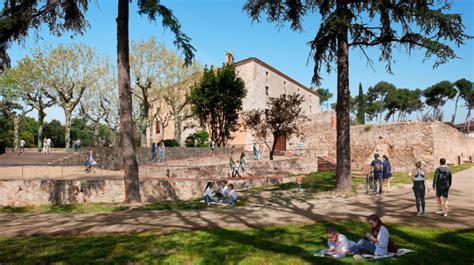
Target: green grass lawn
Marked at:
292, 244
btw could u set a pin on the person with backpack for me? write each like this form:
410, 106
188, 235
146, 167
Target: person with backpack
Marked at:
420, 185
442, 182
377, 170
386, 172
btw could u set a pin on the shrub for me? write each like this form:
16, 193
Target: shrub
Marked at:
171, 143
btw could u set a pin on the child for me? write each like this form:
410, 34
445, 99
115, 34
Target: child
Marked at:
299, 182
235, 169
90, 162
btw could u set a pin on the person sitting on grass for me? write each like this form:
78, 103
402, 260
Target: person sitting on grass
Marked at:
338, 244
223, 188
209, 194
376, 242
299, 182
231, 195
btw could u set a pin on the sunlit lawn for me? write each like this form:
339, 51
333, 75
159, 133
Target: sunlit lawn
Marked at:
292, 244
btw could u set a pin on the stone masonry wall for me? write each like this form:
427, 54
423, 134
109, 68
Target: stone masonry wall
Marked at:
111, 157
41, 192
404, 143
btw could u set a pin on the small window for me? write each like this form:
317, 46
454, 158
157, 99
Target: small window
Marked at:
266, 73
284, 83
157, 127
266, 91
310, 109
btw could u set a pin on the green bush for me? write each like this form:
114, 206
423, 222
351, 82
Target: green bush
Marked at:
171, 143
197, 139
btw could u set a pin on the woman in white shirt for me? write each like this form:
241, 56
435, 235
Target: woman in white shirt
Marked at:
338, 243
231, 195
375, 242
208, 194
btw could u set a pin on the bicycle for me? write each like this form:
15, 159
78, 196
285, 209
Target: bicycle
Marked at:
370, 184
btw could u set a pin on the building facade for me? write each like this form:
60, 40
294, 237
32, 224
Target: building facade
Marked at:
262, 82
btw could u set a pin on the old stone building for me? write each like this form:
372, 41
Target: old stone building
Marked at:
262, 82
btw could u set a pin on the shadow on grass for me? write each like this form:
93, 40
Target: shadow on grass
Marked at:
291, 244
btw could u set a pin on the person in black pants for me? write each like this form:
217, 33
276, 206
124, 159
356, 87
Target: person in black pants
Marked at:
442, 182
419, 187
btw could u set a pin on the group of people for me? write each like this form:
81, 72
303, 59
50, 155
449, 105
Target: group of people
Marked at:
377, 242
441, 184
46, 145
382, 172
237, 166
224, 193
161, 152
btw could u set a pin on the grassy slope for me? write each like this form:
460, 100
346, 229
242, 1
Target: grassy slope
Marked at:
272, 245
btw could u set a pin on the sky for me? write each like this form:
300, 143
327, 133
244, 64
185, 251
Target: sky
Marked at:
217, 26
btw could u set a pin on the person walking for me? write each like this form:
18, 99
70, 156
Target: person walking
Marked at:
255, 151
243, 163
161, 152
153, 152
442, 183
90, 162
22, 147
48, 145
45, 145
377, 170
386, 172
419, 188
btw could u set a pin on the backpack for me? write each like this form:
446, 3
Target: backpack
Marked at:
442, 181
378, 165
392, 246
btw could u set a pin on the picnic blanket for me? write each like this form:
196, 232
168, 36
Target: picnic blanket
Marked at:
401, 252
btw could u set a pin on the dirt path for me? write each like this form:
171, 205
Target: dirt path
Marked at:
395, 207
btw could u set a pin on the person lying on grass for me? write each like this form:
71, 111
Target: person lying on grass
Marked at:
338, 244
376, 242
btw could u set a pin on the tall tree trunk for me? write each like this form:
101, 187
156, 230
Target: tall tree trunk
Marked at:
96, 134
272, 152
143, 128
343, 168
131, 179
177, 128
16, 132
455, 110
41, 116
467, 124
67, 125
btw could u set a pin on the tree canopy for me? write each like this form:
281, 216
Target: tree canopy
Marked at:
217, 100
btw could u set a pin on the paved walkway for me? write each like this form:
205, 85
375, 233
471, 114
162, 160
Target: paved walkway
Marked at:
395, 207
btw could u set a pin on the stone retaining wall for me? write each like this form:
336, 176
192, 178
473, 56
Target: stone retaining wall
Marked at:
111, 157
41, 192
404, 143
